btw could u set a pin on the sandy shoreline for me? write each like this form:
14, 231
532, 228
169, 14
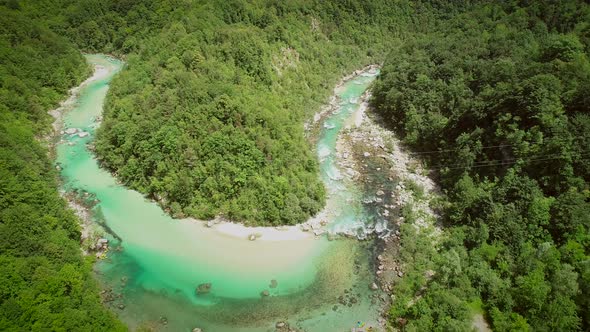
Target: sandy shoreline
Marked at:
313, 227
316, 225
88, 228
260, 233
66, 105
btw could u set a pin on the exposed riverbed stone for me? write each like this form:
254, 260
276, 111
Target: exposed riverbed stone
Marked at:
203, 288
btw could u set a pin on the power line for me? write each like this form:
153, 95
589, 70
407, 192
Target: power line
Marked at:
545, 142
458, 149
499, 162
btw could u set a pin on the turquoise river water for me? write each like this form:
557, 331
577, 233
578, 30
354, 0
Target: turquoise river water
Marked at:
156, 262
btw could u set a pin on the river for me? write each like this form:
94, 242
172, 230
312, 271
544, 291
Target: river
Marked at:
155, 262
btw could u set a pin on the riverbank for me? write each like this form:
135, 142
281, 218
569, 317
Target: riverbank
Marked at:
317, 225
89, 230
309, 281
396, 184
98, 72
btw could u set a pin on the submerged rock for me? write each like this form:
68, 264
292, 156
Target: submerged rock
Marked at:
273, 283
265, 293
203, 288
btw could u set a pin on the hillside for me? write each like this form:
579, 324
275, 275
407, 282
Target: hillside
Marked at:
46, 283
495, 102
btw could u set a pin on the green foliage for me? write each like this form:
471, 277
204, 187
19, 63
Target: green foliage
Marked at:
207, 116
45, 282
494, 95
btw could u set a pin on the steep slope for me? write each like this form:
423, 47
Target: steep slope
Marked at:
46, 283
495, 101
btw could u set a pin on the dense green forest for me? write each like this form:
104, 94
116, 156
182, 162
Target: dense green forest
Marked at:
45, 283
208, 118
495, 101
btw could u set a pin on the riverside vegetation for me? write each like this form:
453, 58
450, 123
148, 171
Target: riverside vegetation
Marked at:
46, 283
208, 119
495, 101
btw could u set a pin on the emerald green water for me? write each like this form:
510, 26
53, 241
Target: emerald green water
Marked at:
160, 261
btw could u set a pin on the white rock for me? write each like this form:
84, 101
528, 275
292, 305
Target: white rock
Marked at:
318, 232
82, 134
71, 131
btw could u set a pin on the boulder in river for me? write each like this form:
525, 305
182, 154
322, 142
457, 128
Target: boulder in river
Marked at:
252, 237
374, 286
196, 329
71, 131
101, 244
265, 293
203, 288
273, 283
82, 134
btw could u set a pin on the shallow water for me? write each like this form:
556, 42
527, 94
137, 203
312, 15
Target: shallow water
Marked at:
162, 260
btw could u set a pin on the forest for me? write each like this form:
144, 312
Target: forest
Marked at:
495, 102
207, 118
45, 283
